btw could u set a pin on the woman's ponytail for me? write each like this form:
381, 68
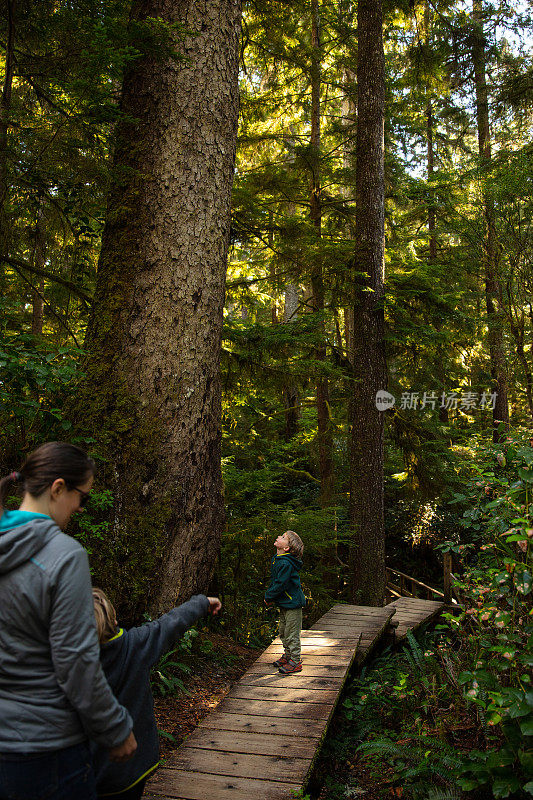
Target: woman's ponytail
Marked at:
5, 483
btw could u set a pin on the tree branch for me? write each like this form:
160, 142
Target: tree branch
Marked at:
18, 265
56, 315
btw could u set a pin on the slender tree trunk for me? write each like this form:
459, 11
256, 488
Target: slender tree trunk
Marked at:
5, 109
38, 261
432, 215
291, 395
432, 225
325, 444
493, 291
349, 113
366, 452
274, 305
155, 335
518, 333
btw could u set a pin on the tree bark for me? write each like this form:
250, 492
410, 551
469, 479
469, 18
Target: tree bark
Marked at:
5, 108
325, 443
37, 316
349, 116
291, 395
493, 290
155, 334
366, 451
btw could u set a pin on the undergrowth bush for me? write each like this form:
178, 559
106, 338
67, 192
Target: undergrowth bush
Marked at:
452, 715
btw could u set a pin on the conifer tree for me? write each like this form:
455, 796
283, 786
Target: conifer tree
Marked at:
367, 430
154, 338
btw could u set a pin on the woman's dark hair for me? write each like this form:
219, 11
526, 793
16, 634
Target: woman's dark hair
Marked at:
45, 465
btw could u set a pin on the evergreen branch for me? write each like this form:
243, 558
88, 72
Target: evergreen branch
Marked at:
302, 473
47, 304
18, 265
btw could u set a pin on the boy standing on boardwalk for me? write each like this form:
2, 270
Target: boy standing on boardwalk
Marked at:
285, 591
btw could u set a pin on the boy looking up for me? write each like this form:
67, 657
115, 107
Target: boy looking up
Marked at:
285, 591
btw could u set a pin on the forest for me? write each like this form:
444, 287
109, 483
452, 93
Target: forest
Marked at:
272, 267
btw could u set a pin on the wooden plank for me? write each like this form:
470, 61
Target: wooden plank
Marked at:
314, 667
357, 610
239, 765
253, 724
325, 660
363, 618
300, 680
414, 602
254, 743
326, 648
184, 785
287, 694
276, 708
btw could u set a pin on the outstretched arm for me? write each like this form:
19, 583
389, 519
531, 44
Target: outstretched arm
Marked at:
158, 637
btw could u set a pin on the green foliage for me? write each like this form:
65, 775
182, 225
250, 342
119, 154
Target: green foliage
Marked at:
34, 379
167, 675
497, 624
454, 710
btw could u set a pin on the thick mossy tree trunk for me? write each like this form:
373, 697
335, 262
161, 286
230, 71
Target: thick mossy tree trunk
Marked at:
152, 397
366, 452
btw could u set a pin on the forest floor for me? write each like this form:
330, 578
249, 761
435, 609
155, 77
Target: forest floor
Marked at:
215, 664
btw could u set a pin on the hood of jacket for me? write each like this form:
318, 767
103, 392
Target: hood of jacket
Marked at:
297, 563
22, 535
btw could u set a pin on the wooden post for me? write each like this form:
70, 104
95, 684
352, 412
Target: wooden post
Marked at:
447, 558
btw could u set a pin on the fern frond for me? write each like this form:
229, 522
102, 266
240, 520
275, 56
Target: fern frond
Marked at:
444, 794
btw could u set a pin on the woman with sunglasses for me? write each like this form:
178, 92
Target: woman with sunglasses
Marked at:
53, 693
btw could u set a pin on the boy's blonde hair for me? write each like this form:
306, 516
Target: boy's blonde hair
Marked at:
105, 614
295, 543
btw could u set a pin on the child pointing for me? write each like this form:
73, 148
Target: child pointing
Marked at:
127, 658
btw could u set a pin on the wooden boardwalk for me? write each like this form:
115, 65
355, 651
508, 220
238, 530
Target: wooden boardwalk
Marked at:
411, 612
261, 741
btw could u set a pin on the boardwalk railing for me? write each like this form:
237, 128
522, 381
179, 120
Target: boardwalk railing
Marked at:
401, 585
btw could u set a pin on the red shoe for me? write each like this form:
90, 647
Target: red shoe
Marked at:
290, 667
281, 662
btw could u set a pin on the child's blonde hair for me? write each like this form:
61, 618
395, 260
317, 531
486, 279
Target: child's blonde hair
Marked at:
105, 614
295, 543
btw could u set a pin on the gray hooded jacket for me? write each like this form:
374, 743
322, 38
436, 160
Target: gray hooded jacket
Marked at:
53, 692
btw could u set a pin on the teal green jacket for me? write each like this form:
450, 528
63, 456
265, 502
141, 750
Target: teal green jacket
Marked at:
285, 589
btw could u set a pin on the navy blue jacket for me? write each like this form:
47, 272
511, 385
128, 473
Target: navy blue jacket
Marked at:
127, 660
285, 589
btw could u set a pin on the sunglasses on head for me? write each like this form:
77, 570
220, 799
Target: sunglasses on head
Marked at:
84, 496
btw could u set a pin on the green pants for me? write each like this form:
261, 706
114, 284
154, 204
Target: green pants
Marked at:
290, 627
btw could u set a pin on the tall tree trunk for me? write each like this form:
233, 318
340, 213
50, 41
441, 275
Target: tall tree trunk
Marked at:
517, 327
155, 334
325, 444
291, 395
5, 108
366, 452
432, 216
349, 115
493, 291
38, 261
